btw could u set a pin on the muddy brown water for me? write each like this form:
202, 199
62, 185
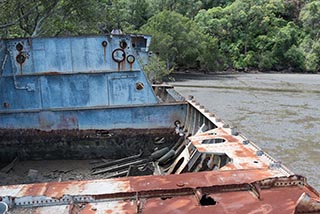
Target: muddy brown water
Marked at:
279, 112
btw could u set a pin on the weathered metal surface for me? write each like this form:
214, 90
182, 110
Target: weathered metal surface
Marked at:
218, 141
307, 204
75, 91
139, 116
68, 54
74, 83
81, 144
220, 148
233, 192
88, 96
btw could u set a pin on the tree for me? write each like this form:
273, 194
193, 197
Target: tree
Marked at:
253, 34
156, 69
49, 17
238, 34
176, 39
29, 15
310, 18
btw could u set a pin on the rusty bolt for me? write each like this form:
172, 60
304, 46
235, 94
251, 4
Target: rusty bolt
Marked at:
180, 184
104, 43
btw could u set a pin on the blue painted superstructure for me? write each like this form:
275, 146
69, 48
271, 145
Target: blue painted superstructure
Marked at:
85, 82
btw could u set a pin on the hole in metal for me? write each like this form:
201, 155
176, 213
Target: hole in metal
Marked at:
213, 141
104, 43
139, 86
19, 47
207, 200
123, 44
20, 58
165, 198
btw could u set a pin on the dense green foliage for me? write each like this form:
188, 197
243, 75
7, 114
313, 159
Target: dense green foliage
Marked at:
213, 35
156, 69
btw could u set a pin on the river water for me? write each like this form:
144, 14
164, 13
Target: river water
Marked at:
279, 112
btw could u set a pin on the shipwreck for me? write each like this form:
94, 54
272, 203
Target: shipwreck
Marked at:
152, 150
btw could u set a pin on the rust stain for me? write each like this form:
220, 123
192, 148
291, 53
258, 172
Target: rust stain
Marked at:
229, 166
151, 194
51, 73
34, 189
243, 152
201, 149
20, 68
306, 204
123, 65
57, 190
180, 204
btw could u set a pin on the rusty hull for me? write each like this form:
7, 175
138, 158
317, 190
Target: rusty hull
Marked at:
90, 98
234, 191
252, 182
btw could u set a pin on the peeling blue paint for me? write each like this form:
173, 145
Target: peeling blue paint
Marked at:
75, 83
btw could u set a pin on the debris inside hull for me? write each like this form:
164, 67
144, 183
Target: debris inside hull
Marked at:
83, 131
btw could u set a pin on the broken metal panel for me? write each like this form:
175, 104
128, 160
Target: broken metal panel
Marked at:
307, 204
228, 202
242, 156
222, 140
228, 191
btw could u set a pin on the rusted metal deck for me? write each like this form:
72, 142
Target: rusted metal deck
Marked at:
231, 191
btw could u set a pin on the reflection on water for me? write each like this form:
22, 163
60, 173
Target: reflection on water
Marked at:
285, 124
